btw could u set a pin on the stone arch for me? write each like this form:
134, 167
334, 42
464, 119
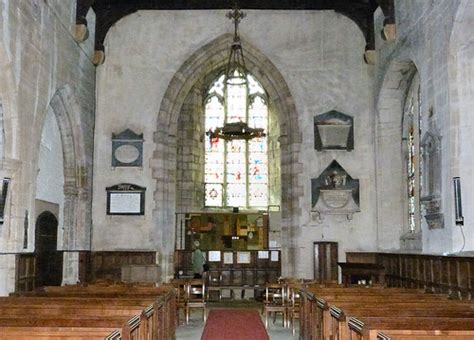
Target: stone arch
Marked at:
389, 156
66, 111
211, 57
9, 125
461, 120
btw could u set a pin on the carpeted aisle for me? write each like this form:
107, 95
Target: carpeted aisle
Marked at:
234, 324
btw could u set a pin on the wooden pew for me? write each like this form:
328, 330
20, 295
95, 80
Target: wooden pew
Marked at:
48, 333
336, 313
426, 328
340, 315
88, 313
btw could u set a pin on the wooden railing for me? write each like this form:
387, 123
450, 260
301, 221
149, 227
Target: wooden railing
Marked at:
453, 275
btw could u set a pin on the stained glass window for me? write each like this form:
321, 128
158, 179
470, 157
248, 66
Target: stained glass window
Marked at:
236, 170
413, 152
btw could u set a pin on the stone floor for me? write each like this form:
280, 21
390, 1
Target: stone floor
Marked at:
195, 327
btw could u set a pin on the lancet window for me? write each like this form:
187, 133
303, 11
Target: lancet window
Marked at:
412, 125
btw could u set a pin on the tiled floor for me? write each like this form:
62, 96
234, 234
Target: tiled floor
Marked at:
194, 329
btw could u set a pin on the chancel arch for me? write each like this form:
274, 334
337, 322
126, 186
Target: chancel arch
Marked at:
190, 81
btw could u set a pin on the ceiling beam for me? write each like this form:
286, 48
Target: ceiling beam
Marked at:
108, 12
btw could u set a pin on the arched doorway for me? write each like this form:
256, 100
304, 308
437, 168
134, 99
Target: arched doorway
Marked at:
49, 261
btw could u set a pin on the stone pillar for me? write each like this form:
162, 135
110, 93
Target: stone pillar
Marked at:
70, 202
11, 231
70, 268
291, 191
7, 274
164, 172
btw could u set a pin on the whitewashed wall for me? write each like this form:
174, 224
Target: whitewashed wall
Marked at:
318, 53
425, 38
41, 62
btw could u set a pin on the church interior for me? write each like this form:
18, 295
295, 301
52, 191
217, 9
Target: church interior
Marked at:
311, 152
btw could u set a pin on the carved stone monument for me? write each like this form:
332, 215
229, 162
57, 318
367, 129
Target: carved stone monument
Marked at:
334, 192
431, 188
333, 130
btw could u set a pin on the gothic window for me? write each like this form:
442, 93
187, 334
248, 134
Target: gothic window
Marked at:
412, 132
236, 165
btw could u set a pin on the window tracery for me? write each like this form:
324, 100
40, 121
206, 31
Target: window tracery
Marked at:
236, 169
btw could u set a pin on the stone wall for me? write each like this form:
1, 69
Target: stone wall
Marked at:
424, 44
43, 68
190, 155
319, 56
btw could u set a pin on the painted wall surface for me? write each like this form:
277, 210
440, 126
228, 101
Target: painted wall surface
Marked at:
424, 37
318, 53
39, 57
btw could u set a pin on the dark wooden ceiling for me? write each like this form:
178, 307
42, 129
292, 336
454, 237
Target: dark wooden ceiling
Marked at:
108, 12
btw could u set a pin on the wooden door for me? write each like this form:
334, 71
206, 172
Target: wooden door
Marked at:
49, 261
325, 261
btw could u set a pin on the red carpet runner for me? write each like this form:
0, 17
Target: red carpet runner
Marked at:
234, 324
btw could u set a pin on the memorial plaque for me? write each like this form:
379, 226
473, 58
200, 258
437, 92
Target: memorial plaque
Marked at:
127, 149
125, 199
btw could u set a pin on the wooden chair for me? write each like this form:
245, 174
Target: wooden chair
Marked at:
196, 297
294, 300
275, 302
180, 291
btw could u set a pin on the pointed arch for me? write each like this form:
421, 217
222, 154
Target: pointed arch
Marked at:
392, 219
9, 124
76, 192
209, 59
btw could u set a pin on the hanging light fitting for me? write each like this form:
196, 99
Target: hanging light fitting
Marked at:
236, 75
236, 72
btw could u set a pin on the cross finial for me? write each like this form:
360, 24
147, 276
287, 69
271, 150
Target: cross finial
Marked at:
236, 15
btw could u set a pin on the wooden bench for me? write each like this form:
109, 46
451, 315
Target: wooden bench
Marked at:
354, 313
89, 312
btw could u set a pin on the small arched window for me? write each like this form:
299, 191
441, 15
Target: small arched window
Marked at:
236, 168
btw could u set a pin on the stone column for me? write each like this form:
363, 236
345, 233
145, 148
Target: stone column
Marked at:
11, 231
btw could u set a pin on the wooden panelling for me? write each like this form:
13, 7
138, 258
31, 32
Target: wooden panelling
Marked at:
108, 265
25, 272
258, 272
325, 261
453, 275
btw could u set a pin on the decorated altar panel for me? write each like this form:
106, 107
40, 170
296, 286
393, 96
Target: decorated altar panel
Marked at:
226, 231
